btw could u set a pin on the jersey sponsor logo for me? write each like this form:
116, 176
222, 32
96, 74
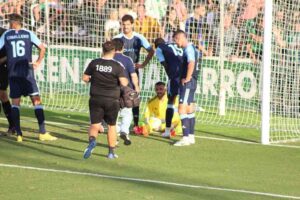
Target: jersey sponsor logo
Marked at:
103, 68
129, 50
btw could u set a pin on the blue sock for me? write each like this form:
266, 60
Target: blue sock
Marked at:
15, 114
39, 113
111, 150
91, 139
169, 115
192, 122
185, 122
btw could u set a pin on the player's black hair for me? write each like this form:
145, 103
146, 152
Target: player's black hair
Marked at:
159, 83
178, 32
119, 44
108, 47
15, 17
127, 18
158, 41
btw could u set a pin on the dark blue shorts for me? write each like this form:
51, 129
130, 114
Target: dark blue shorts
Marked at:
173, 87
23, 87
187, 92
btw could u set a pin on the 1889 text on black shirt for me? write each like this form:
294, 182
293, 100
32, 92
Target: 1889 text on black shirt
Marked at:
105, 77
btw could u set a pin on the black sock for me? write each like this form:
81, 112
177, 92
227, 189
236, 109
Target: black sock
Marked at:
136, 113
7, 111
15, 113
111, 150
39, 113
169, 116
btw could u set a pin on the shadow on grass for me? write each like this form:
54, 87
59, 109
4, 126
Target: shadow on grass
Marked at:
11, 141
63, 147
59, 116
160, 139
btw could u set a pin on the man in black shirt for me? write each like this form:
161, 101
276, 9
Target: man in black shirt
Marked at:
105, 75
3, 87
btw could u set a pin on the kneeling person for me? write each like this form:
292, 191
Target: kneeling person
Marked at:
156, 112
105, 76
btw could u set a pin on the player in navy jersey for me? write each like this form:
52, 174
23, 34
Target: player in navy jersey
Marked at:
133, 43
126, 113
189, 77
3, 87
171, 57
18, 44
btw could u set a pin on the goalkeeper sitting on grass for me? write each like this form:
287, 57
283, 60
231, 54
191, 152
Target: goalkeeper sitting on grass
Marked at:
156, 113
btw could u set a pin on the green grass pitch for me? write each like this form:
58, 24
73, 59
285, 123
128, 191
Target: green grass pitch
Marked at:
214, 163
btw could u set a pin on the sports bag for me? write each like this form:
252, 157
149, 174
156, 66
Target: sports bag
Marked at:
129, 98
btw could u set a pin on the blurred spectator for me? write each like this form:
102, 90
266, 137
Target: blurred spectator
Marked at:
194, 25
231, 37
128, 10
156, 8
112, 25
181, 11
57, 16
255, 40
212, 12
232, 2
170, 23
10, 7
252, 9
146, 25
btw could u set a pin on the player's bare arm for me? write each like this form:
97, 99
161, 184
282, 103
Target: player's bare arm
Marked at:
190, 70
42, 51
147, 60
135, 82
86, 78
3, 60
123, 81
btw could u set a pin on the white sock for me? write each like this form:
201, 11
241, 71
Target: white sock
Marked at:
167, 130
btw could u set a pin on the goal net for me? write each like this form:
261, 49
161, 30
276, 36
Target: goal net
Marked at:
230, 32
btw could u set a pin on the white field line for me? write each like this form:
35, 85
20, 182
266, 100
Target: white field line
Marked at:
201, 137
245, 142
150, 181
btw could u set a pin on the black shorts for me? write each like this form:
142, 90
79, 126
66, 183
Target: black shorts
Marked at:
103, 108
173, 87
3, 77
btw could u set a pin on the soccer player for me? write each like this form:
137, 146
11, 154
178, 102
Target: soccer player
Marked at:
18, 44
105, 76
133, 43
155, 114
171, 57
189, 77
3, 87
126, 113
